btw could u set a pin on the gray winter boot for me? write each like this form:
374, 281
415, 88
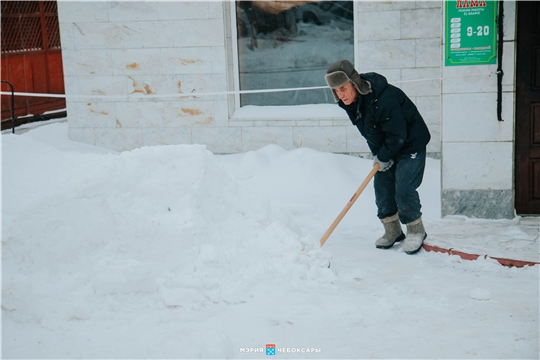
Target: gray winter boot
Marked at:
392, 232
416, 234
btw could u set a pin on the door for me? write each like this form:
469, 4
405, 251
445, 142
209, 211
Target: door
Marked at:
527, 139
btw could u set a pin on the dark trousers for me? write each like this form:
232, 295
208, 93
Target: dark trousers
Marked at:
395, 188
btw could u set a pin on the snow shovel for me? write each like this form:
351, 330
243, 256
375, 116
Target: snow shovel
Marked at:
349, 204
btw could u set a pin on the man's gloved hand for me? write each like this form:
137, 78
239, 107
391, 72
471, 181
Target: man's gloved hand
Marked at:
383, 166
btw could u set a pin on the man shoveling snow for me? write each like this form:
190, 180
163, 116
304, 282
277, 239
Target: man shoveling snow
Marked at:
397, 137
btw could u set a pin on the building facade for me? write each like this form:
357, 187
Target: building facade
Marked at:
150, 73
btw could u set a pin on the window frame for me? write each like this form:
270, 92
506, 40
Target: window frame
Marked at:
262, 113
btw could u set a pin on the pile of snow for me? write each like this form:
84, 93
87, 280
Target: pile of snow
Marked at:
314, 187
159, 226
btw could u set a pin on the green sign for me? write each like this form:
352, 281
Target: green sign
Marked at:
471, 32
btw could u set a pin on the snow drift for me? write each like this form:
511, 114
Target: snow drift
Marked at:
155, 227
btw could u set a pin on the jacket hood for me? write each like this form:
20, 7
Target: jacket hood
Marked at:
377, 81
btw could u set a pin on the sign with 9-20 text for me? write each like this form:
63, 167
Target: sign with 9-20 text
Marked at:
471, 32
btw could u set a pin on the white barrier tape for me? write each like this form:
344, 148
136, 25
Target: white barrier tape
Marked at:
164, 95
181, 95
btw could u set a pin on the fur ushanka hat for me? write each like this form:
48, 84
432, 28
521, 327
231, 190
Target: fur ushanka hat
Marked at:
342, 72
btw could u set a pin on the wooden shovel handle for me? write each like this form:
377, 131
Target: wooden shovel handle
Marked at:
349, 204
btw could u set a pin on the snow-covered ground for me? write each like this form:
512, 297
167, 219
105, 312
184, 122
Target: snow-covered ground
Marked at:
173, 252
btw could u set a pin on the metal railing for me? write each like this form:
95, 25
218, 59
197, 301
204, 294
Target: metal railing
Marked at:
12, 105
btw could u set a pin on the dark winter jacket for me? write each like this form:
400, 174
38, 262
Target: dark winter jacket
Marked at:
388, 119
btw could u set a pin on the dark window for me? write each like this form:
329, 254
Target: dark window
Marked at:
289, 44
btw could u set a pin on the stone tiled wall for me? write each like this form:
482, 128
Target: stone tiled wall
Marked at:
477, 149
155, 48
146, 48
402, 41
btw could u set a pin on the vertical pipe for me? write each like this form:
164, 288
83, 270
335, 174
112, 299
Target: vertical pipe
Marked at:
500, 72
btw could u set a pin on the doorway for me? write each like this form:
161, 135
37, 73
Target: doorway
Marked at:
527, 132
